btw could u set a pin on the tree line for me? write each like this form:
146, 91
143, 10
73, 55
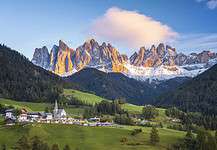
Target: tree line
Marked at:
34, 143
189, 118
203, 140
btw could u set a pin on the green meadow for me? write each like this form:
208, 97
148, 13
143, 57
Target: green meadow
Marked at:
91, 138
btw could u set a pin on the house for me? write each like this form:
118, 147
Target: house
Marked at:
23, 116
95, 119
9, 113
49, 116
33, 116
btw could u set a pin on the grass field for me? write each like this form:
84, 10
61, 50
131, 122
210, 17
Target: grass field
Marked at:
82, 96
27, 105
89, 138
93, 99
83, 138
38, 106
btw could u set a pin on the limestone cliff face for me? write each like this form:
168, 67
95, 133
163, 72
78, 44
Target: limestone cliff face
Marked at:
104, 57
64, 62
53, 57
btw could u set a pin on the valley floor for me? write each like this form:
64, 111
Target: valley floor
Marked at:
91, 138
88, 138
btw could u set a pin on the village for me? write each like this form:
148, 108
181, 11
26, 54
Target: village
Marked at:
59, 116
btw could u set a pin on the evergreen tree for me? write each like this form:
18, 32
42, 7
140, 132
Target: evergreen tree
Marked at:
216, 136
55, 147
66, 147
211, 143
36, 143
154, 137
189, 141
149, 112
3, 147
44, 146
201, 140
23, 144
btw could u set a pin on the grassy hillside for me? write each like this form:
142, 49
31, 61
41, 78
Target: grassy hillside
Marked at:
91, 138
38, 106
93, 99
82, 96
27, 105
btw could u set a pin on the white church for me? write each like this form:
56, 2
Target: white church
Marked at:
58, 113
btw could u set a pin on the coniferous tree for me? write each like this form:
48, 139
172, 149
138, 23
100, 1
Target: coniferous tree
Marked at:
189, 141
211, 143
66, 147
3, 147
154, 137
23, 144
216, 136
55, 147
149, 112
44, 146
201, 140
36, 143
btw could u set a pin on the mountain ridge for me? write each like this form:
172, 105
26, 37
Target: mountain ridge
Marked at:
160, 62
118, 86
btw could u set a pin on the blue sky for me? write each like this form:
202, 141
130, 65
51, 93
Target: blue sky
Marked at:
27, 24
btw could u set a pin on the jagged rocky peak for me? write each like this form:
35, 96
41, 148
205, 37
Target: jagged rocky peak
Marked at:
63, 46
41, 57
154, 57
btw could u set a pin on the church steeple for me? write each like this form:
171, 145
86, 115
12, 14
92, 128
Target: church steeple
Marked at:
55, 110
56, 106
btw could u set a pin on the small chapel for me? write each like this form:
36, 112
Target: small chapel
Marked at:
58, 113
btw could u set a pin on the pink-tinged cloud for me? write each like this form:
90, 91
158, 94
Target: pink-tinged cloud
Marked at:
131, 28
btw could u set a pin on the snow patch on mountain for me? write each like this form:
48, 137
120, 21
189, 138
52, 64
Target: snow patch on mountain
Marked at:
160, 73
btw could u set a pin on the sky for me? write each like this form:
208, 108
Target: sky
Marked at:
188, 25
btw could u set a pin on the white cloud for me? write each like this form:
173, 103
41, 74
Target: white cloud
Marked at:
131, 28
211, 4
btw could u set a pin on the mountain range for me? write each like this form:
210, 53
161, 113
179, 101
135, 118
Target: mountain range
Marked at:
157, 63
22, 80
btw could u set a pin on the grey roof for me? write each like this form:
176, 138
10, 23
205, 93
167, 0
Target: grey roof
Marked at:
9, 110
